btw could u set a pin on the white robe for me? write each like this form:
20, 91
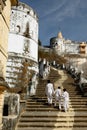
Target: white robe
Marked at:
65, 96
58, 97
49, 92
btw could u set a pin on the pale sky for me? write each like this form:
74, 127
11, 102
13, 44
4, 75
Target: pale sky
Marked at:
67, 16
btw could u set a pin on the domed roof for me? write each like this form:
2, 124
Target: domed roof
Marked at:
60, 35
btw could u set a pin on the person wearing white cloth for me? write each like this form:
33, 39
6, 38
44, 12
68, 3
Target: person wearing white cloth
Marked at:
49, 92
58, 97
65, 96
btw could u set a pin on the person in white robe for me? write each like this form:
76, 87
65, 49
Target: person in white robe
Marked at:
58, 97
49, 92
65, 97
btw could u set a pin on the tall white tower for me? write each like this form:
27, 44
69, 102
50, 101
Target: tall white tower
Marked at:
23, 41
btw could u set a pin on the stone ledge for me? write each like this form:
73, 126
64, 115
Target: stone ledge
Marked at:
10, 117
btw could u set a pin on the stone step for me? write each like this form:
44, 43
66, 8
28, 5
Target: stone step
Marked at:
46, 128
70, 92
56, 109
70, 101
55, 114
53, 119
69, 89
44, 96
71, 95
45, 99
46, 106
66, 124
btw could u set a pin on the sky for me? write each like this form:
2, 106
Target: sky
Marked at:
67, 16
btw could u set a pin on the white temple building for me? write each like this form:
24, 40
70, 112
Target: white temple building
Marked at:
66, 46
75, 52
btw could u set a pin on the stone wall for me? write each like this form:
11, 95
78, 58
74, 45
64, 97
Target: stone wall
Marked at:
4, 30
5, 10
11, 111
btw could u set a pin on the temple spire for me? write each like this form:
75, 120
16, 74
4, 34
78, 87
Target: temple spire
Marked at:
60, 35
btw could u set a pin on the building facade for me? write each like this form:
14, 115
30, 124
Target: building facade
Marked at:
5, 9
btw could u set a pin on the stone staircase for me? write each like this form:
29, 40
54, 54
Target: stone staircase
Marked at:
39, 116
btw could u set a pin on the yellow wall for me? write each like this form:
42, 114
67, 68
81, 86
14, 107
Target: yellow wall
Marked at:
4, 31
